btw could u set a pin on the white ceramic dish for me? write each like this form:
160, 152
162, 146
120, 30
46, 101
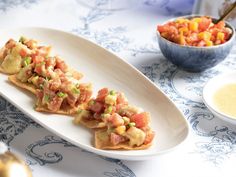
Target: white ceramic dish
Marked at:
103, 69
210, 89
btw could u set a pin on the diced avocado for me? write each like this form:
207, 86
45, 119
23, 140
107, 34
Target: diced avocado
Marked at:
110, 99
24, 74
61, 94
11, 64
33, 79
22, 39
136, 136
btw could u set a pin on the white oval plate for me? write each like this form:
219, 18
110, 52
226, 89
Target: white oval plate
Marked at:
103, 69
211, 87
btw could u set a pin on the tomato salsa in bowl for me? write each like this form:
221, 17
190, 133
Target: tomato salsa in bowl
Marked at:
195, 43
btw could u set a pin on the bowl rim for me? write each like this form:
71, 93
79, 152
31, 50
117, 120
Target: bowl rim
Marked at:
196, 47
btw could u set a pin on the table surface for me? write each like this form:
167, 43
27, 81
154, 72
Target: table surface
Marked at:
129, 33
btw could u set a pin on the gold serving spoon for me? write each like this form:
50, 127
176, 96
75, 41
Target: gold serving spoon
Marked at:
227, 12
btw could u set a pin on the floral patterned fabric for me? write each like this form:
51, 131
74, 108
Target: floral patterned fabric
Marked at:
130, 33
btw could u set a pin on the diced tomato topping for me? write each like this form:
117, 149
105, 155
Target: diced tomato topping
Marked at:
50, 62
116, 139
84, 96
31, 43
55, 84
121, 99
140, 120
204, 24
23, 53
60, 64
43, 50
10, 44
149, 137
55, 103
39, 69
39, 94
162, 28
116, 120
71, 100
102, 94
220, 25
37, 59
96, 107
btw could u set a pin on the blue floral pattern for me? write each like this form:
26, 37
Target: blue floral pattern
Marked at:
55, 157
9, 4
218, 139
222, 138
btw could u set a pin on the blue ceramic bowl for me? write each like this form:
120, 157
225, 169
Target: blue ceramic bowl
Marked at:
195, 59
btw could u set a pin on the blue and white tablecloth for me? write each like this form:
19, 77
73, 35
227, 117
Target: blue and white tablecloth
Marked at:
130, 33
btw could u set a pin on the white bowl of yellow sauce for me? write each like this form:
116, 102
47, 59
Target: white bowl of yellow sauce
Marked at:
219, 95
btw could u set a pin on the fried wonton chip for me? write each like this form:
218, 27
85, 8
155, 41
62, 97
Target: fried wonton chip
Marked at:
30, 87
102, 141
27, 86
66, 110
91, 123
84, 117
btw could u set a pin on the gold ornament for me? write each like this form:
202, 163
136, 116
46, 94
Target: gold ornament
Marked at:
12, 166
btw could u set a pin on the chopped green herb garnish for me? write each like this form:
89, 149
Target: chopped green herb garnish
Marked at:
61, 94
75, 90
108, 110
22, 39
131, 124
27, 61
112, 92
46, 98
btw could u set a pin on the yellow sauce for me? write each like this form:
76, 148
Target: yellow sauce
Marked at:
225, 100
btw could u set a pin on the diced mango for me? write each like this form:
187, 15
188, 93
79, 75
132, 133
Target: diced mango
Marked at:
183, 30
193, 26
209, 43
120, 130
220, 36
181, 20
206, 36
198, 20
182, 40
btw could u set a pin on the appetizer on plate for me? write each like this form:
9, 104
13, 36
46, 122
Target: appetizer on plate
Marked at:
105, 104
57, 87
16, 54
63, 96
118, 125
125, 132
55, 84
